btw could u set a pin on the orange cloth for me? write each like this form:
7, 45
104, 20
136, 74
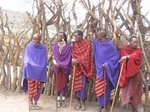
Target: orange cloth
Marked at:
33, 87
78, 83
100, 86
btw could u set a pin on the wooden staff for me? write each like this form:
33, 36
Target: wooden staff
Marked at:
105, 91
56, 90
117, 87
50, 56
72, 88
28, 95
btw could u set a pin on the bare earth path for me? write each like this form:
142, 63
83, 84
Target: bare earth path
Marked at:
18, 102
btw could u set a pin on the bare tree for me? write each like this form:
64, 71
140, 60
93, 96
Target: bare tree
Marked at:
120, 19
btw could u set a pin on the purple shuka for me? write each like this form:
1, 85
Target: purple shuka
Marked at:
105, 53
64, 61
63, 58
35, 64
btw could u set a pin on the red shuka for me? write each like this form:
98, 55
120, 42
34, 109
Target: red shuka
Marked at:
131, 66
82, 51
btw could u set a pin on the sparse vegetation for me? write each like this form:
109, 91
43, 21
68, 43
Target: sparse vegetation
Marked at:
120, 19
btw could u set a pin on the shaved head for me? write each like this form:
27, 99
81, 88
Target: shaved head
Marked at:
101, 35
36, 38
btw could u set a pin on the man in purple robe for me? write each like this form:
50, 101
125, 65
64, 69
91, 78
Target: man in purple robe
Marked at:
34, 70
61, 67
106, 60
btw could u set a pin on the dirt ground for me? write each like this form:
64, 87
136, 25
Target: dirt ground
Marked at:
18, 102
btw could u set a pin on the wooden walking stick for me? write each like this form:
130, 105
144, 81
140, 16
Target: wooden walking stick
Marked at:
73, 76
50, 56
56, 91
117, 87
28, 95
105, 91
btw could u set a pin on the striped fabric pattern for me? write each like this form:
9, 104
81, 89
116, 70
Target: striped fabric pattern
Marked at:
78, 83
100, 86
33, 87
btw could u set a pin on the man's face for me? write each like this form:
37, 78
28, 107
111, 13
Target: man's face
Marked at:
99, 36
77, 37
59, 37
36, 40
134, 43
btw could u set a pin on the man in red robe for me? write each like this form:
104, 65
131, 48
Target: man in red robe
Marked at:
131, 79
82, 59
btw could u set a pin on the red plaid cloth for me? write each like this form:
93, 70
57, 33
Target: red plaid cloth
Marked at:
82, 51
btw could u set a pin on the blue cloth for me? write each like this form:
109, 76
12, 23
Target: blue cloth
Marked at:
105, 53
35, 63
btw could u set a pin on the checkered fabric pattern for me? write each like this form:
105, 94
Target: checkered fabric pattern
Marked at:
82, 51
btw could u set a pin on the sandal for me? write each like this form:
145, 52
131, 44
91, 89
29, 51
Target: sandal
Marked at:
63, 104
77, 107
83, 108
36, 107
32, 106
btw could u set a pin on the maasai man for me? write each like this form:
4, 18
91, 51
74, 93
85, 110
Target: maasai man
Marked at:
106, 59
61, 66
83, 62
131, 79
35, 69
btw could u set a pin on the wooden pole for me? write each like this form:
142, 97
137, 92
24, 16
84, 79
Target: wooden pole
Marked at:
117, 87
56, 91
105, 91
28, 95
73, 76
50, 56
